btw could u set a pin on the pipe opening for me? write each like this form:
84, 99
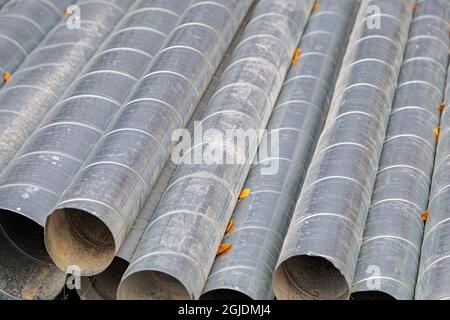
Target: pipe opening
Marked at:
225, 294
152, 285
371, 295
104, 285
309, 277
75, 238
26, 270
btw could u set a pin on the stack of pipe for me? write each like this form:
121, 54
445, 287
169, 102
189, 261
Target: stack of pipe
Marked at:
36, 177
260, 222
26, 270
104, 285
389, 257
319, 255
178, 248
23, 24
106, 195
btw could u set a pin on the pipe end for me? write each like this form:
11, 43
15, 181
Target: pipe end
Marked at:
151, 285
78, 240
306, 277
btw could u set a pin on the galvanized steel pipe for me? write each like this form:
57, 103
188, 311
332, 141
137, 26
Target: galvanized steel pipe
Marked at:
389, 257
319, 255
35, 179
178, 248
26, 271
260, 222
23, 24
105, 197
433, 280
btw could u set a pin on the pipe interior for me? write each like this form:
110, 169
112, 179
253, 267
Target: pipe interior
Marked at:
26, 270
311, 277
77, 238
152, 285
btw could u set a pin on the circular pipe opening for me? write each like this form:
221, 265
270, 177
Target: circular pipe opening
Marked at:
225, 294
77, 239
151, 285
309, 277
26, 270
371, 295
104, 285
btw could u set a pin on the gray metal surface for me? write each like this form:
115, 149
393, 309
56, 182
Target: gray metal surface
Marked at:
26, 271
34, 180
389, 256
23, 24
320, 252
104, 285
44, 76
105, 197
260, 222
178, 248
433, 280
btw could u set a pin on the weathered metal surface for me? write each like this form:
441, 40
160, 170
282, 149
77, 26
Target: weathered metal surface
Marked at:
177, 250
319, 255
105, 197
389, 256
23, 24
260, 222
26, 271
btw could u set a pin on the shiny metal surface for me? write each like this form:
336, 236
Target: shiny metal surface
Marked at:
23, 24
178, 248
106, 195
260, 222
319, 255
389, 258
26, 271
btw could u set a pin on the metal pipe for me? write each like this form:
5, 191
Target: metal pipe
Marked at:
319, 254
104, 285
47, 72
2, 3
389, 257
260, 221
26, 271
433, 277
179, 246
106, 195
33, 181
23, 25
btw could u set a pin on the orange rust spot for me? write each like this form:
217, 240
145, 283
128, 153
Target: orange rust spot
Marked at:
414, 8
424, 215
244, 193
223, 248
441, 107
29, 293
316, 5
229, 226
6, 76
296, 56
